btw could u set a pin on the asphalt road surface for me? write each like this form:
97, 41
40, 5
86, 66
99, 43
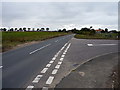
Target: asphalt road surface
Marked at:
43, 65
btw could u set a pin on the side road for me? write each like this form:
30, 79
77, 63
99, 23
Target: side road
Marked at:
92, 74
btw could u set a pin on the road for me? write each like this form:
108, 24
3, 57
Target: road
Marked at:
44, 64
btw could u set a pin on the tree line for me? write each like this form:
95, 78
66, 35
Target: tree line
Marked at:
24, 29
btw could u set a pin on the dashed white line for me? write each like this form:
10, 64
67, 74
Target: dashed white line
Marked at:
54, 71
44, 70
48, 65
50, 80
56, 41
64, 53
63, 56
36, 80
1, 66
51, 61
39, 49
57, 66
45, 88
90, 44
30, 87
60, 63
61, 59
53, 58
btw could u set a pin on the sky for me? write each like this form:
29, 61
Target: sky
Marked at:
59, 15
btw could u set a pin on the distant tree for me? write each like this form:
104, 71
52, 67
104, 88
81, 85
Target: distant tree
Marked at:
47, 29
102, 31
113, 31
59, 30
106, 30
20, 29
29, 29
15, 29
4, 29
38, 29
33, 29
24, 29
11, 29
90, 27
64, 30
42, 29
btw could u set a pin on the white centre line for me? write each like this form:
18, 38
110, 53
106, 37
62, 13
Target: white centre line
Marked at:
57, 66
39, 49
61, 59
54, 71
48, 65
45, 88
54, 58
50, 80
51, 61
44, 70
36, 80
30, 87
63, 56
1, 66
60, 63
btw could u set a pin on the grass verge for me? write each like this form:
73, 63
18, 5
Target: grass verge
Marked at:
98, 36
12, 39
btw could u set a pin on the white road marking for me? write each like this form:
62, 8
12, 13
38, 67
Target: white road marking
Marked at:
90, 44
63, 56
1, 66
56, 41
44, 70
45, 88
39, 49
101, 44
53, 58
30, 87
61, 59
64, 53
50, 80
48, 65
57, 66
60, 63
51, 61
54, 71
36, 80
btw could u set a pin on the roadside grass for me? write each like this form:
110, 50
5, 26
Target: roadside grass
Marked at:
12, 39
98, 36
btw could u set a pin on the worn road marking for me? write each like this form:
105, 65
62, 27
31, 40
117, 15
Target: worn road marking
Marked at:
44, 70
30, 87
51, 61
64, 53
50, 80
61, 59
54, 71
1, 66
56, 41
36, 80
57, 66
45, 88
59, 62
48, 65
101, 44
39, 49
63, 56
53, 58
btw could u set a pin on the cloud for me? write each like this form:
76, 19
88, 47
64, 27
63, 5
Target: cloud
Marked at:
60, 14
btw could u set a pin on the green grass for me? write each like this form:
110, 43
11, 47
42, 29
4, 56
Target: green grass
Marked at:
11, 39
98, 36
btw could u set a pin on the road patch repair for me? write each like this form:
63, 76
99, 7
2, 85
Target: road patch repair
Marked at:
92, 74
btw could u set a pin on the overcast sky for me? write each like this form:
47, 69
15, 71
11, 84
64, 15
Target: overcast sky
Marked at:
56, 15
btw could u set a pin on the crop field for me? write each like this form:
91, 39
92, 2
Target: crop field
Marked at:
12, 39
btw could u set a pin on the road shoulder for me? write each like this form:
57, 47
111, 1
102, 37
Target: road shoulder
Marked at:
92, 74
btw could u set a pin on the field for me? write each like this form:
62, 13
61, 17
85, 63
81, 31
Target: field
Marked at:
12, 39
98, 36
